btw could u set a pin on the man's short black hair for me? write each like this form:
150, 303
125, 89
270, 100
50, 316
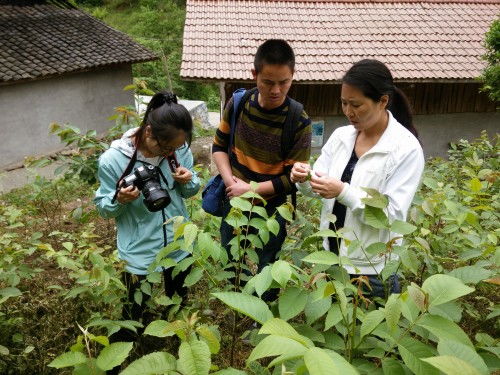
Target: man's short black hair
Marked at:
274, 52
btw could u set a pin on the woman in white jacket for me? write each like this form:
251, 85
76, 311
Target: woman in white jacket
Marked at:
380, 150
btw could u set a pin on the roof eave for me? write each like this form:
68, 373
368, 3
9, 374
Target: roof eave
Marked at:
334, 82
76, 71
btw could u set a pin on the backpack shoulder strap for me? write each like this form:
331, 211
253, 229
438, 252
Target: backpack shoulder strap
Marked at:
240, 97
288, 135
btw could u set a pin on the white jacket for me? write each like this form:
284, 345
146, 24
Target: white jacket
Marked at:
393, 166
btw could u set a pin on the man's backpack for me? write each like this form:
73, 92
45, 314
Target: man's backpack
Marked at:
240, 97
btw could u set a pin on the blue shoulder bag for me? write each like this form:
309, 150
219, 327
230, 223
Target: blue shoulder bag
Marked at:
214, 193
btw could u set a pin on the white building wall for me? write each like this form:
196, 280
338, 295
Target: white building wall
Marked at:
437, 131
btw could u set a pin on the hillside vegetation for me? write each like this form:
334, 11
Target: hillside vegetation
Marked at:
158, 25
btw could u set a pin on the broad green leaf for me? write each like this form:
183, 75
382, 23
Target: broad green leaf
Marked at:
194, 276
391, 366
376, 248
103, 340
423, 243
68, 359
402, 227
248, 305
263, 280
344, 367
190, 233
279, 327
241, 203
272, 346
375, 198
412, 351
325, 233
318, 362
292, 302
376, 217
210, 338
322, 257
162, 328
89, 367
451, 365
316, 309
408, 308
229, 371
471, 274
464, 352
444, 329
444, 288
371, 321
449, 310
321, 362
273, 226
113, 355
194, 358
285, 210
150, 364
333, 316
418, 296
4, 350
341, 297
281, 272
154, 277
310, 333
475, 184
8, 292
392, 311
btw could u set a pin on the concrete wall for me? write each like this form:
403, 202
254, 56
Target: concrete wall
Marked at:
84, 100
436, 131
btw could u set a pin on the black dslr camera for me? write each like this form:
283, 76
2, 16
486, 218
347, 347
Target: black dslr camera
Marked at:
146, 179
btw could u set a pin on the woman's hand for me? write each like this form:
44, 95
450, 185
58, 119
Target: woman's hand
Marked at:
238, 188
327, 187
127, 194
182, 175
300, 172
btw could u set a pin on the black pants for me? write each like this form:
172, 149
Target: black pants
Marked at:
267, 255
134, 311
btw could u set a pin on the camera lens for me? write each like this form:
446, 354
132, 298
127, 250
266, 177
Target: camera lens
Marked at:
155, 198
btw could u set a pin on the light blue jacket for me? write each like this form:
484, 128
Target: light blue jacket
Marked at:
139, 231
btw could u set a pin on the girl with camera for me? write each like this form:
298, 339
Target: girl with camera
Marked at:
153, 160
379, 150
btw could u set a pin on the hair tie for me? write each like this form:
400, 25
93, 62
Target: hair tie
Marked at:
170, 98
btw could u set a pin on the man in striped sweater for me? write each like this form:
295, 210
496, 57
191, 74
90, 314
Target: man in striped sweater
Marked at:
256, 154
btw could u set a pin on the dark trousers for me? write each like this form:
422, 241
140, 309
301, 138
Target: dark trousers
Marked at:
268, 254
381, 289
134, 311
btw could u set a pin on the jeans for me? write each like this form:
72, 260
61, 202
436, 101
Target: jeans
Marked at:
268, 254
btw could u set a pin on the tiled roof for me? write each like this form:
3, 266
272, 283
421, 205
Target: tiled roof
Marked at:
39, 39
419, 40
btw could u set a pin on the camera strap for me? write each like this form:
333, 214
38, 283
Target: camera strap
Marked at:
125, 173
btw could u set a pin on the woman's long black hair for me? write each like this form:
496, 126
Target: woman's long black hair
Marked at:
165, 117
374, 79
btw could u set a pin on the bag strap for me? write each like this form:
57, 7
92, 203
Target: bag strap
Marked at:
288, 137
240, 97
125, 173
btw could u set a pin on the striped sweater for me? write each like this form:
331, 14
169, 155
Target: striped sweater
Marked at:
257, 144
